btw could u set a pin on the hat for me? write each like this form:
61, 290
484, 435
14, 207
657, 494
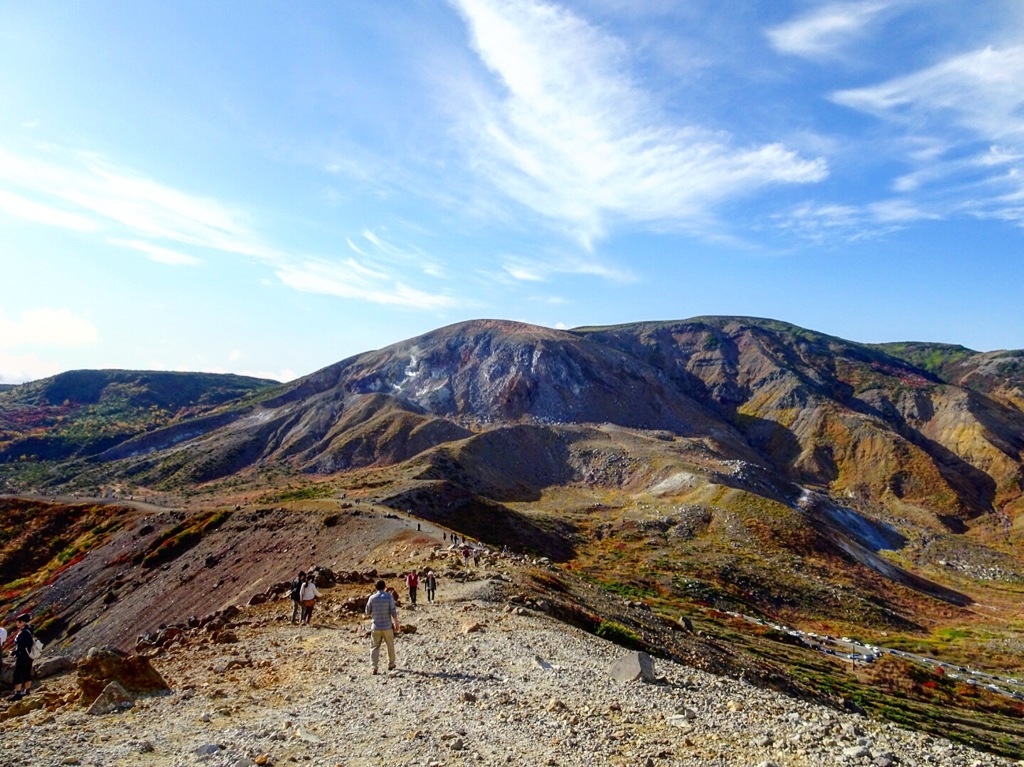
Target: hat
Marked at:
24, 617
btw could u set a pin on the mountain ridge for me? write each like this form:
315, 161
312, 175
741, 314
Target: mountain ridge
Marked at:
703, 465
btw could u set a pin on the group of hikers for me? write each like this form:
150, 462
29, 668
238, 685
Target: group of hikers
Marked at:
412, 582
22, 648
304, 594
381, 607
383, 611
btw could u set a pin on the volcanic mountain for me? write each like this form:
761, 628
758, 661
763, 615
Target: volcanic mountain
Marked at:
722, 463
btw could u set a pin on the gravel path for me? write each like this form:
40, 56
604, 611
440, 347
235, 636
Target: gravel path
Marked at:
479, 683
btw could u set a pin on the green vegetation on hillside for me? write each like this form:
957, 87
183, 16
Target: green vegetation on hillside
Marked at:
84, 412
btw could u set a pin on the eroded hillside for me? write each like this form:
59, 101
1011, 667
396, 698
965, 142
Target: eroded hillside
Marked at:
700, 466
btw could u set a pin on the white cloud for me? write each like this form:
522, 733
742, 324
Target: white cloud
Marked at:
19, 368
87, 192
349, 279
20, 207
899, 212
355, 248
823, 222
91, 193
965, 112
571, 135
536, 270
519, 271
979, 91
159, 254
386, 254
826, 32
50, 327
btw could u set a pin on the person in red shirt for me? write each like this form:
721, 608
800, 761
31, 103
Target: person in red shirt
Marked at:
412, 580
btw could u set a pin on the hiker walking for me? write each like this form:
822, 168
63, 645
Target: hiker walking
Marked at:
308, 597
465, 556
431, 585
296, 594
23, 641
412, 581
383, 612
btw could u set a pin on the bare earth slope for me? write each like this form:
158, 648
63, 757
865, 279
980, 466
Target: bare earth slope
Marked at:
479, 682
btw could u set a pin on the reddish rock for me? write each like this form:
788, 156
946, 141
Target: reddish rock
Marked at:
226, 636
101, 666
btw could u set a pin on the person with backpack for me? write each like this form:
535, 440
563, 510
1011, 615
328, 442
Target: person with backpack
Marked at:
430, 582
24, 652
308, 596
412, 581
296, 594
383, 614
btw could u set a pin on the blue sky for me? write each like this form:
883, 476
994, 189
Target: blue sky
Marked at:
269, 187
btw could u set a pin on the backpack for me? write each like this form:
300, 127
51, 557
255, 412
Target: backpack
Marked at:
36, 649
296, 589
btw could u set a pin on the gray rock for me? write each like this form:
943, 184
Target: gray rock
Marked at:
113, 698
632, 667
51, 666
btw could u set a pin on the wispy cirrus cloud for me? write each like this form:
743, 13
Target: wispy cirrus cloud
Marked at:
572, 136
81, 190
979, 92
967, 111
157, 253
829, 222
826, 32
524, 269
350, 279
379, 273
30, 210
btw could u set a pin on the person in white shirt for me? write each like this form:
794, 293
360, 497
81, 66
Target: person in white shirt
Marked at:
307, 597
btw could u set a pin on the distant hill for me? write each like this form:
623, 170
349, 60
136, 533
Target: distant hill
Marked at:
999, 374
84, 412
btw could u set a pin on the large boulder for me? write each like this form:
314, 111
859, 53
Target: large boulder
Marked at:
104, 665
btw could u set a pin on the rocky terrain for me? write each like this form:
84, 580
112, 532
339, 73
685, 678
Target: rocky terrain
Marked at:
735, 476
484, 680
